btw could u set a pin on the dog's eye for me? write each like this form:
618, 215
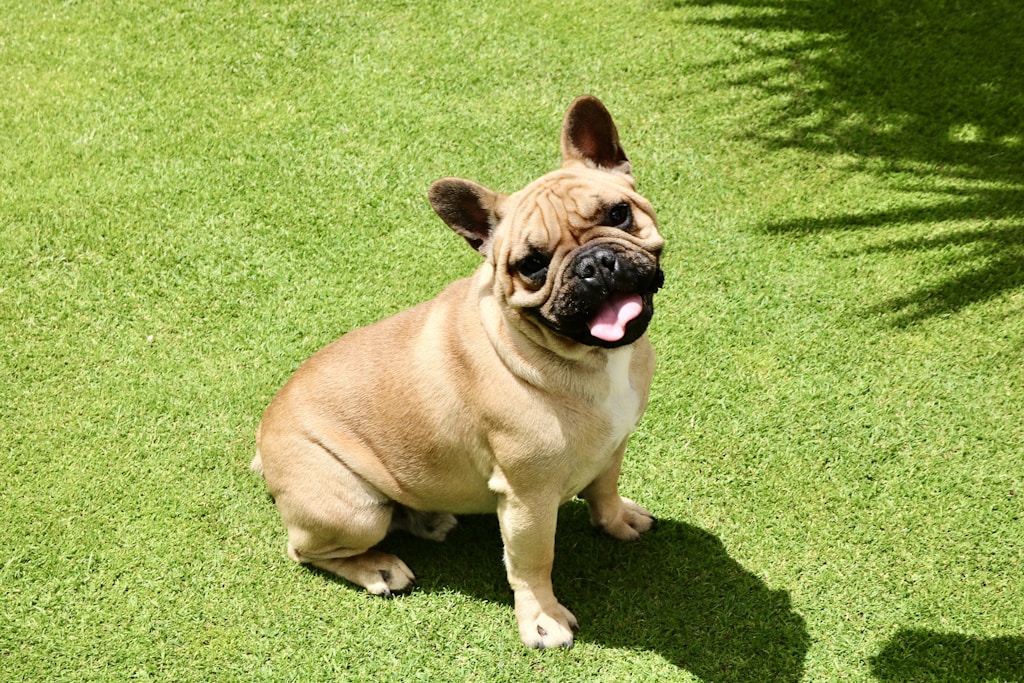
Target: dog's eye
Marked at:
534, 267
619, 216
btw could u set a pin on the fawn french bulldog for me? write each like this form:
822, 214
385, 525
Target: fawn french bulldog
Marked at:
512, 391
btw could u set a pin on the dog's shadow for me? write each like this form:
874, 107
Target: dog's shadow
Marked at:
676, 592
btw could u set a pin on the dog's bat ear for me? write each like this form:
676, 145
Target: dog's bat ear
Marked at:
469, 209
589, 136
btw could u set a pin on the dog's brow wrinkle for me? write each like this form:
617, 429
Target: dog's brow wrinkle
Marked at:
550, 217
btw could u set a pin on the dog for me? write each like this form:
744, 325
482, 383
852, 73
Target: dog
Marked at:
513, 391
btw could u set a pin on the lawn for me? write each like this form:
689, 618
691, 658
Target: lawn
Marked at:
194, 197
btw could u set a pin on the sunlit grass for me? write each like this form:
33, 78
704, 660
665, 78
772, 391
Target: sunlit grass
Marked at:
195, 197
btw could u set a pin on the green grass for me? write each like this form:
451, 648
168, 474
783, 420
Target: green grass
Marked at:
194, 197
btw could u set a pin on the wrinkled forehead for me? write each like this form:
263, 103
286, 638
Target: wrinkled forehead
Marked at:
575, 197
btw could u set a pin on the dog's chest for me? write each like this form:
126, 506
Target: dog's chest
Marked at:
622, 404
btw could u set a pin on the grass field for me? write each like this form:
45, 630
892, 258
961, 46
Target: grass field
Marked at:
194, 197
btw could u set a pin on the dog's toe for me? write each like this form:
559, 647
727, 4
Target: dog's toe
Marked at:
385, 581
543, 629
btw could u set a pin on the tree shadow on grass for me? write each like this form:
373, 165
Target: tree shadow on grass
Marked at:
675, 592
933, 89
917, 655
990, 260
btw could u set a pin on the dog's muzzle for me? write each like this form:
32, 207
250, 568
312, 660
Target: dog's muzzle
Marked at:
607, 295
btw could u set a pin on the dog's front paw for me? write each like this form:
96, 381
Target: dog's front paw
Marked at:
625, 521
542, 628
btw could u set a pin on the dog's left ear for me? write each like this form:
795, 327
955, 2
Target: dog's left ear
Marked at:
469, 209
589, 137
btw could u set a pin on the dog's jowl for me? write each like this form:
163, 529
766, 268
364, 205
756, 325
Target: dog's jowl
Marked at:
513, 391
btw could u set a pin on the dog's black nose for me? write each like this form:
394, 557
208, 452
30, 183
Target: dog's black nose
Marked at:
598, 264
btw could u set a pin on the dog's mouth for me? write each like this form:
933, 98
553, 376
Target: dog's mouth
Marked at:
614, 314
610, 310
619, 319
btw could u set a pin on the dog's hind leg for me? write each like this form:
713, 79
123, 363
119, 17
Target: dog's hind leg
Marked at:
346, 550
334, 519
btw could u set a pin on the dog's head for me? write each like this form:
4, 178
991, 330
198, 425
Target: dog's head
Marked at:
576, 251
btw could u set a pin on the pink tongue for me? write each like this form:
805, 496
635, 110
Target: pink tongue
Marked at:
610, 322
